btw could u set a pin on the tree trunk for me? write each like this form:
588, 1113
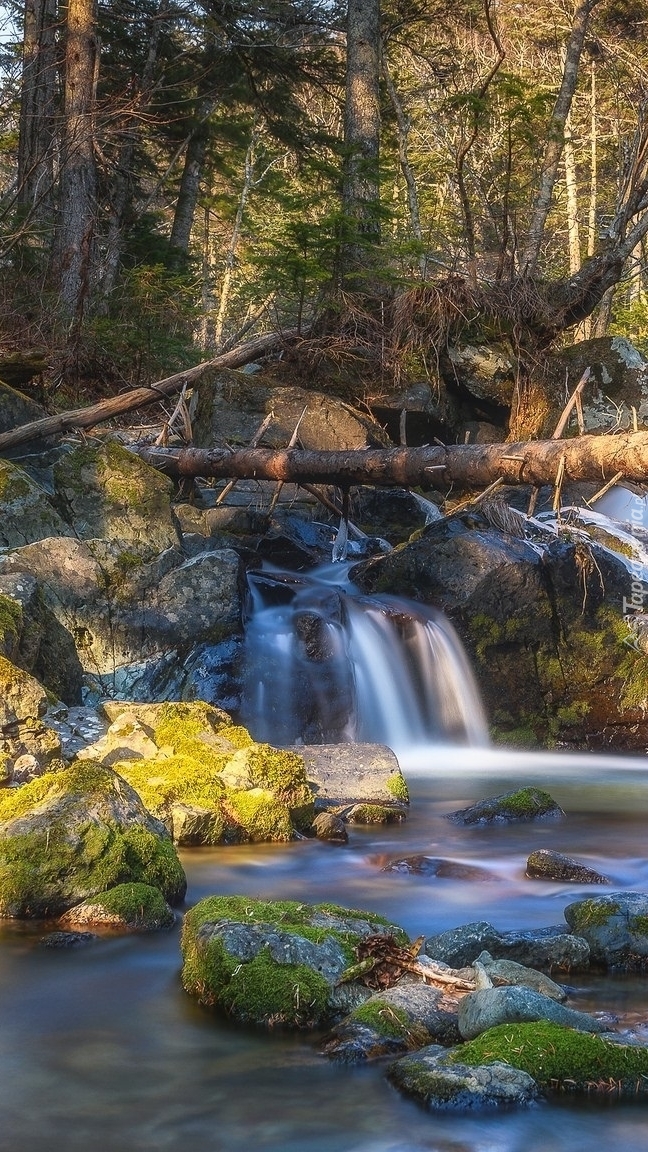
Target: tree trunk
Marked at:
406, 168
37, 96
468, 466
78, 171
555, 139
361, 185
190, 183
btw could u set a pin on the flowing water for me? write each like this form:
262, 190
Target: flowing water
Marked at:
100, 1048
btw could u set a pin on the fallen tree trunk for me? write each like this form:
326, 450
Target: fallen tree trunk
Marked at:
139, 397
465, 466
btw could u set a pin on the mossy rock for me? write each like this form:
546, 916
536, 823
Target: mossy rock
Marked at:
72, 834
521, 804
374, 814
128, 907
21, 696
274, 963
27, 513
561, 1059
615, 927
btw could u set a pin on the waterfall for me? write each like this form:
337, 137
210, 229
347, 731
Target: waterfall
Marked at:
324, 664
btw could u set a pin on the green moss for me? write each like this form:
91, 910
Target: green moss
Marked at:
526, 802
11, 624
174, 780
135, 904
388, 1020
237, 735
80, 778
259, 815
374, 814
278, 995
14, 483
397, 787
560, 1058
592, 914
638, 925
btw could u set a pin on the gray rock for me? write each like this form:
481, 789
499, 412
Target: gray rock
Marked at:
21, 696
443, 869
40, 644
27, 513
615, 927
67, 940
441, 1086
343, 774
406, 1016
510, 972
327, 826
487, 371
547, 865
479, 1011
194, 827
519, 805
538, 948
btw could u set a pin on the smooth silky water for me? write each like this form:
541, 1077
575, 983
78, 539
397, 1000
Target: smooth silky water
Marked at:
100, 1048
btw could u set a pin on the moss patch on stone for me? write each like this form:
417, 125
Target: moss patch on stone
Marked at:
397, 787
389, 1020
82, 777
561, 1059
259, 816
136, 905
593, 913
174, 780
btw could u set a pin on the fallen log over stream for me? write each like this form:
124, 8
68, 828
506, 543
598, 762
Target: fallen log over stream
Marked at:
464, 466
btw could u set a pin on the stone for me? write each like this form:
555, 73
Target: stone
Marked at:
259, 962
327, 826
459, 947
125, 739
344, 774
21, 696
440, 1085
27, 512
519, 805
487, 371
67, 940
440, 868
537, 948
374, 814
32, 637
75, 833
231, 406
615, 926
510, 972
544, 864
107, 492
126, 907
618, 383
479, 1011
406, 1016
193, 827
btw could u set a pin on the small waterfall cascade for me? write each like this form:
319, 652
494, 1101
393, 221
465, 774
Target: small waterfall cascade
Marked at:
324, 664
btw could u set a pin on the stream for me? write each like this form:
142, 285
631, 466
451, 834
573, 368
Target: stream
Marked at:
101, 1048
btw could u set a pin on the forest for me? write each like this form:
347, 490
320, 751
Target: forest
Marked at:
375, 180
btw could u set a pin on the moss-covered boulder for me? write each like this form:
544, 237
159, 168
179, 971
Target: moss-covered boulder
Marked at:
615, 927
275, 963
27, 513
127, 907
441, 1082
561, 1059
33, 639
519, 805
106, 492
543, 864
73, 834
407, 1016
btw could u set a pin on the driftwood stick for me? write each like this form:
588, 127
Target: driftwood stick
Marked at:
571, 404
604, 489
138, 397
468, 466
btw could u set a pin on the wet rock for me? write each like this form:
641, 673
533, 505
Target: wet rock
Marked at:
327, 826
126, 907
479, 1011
32, 638
443, 869
27, 512
374, 814
252, 959
67, 940
406, 1016
547, 865
193, 826
510, 972
615, 927
343, 774
537, 948
522, 804
440, 1083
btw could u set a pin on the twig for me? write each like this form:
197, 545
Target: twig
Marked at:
605, 488
558, 483
254, 443
291, 444
478, 499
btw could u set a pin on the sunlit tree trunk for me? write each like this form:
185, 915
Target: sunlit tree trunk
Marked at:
403, 128
361, 183
37, 110
78, 184
192, 173
571, 189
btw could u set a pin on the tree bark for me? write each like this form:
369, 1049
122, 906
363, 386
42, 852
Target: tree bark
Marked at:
78, 171
467, 466
37, 96
361, 185
139, 397
190, 183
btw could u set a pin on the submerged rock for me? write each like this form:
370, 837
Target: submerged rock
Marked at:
67, 940
536, 948
547, 865
275, 964
615, 927
442, 1083
521, 804
442, 869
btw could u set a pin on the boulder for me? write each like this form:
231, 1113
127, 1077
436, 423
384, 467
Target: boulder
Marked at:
327, 826
486, 371
441, 1083
520, 805
615, 927
232, 405
22, 698
126, 907
510, 972
27, 511
75, 833
406, 1016
544, 864
106, 492
479, 1011
538, 948
345, 774
32, 638
275, 964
